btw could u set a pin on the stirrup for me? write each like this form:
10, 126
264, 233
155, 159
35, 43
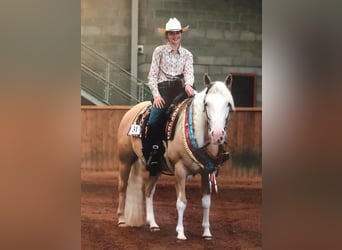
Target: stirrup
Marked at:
152, 154
153, 168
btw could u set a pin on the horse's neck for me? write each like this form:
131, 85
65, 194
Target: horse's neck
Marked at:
201, 125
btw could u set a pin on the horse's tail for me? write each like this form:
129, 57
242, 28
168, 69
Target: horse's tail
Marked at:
134, 197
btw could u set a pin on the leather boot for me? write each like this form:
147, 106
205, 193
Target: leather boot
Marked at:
153, 164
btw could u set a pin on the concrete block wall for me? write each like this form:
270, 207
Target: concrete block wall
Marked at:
106, 27
225, 36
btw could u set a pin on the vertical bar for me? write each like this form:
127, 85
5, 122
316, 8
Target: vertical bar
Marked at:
134, 47
107, 83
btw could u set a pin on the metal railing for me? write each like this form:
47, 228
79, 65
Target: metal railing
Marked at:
108, 81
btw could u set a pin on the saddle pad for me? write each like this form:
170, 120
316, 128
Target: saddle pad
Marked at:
139, 121
171, 124
137, 127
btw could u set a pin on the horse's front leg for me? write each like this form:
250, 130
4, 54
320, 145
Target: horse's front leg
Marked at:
206, 202
180, 175
150, 189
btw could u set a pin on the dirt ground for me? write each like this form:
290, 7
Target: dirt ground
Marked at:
235, 215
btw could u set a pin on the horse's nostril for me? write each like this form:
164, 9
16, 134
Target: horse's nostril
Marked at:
221, 138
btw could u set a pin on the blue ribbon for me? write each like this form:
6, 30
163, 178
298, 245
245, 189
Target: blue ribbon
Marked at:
209, 165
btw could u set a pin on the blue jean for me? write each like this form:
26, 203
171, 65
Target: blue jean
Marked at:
158, 117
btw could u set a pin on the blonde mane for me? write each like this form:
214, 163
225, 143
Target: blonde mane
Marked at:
199, 117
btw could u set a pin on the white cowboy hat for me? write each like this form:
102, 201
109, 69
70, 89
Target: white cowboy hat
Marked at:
173, 25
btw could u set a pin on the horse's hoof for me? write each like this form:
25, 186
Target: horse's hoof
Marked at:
122, 224
181, 239
154, 229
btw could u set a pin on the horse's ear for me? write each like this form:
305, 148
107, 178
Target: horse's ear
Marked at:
207, 80
229, 81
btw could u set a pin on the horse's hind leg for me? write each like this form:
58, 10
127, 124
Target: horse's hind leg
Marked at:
134, 197
124, 170
206, 202
150, 188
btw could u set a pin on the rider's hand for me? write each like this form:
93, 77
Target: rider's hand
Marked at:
158, 102
189, 90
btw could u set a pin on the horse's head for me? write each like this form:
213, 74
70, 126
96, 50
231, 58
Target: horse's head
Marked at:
218, 102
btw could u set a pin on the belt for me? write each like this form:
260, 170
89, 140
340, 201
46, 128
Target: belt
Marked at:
170, 84
175, 78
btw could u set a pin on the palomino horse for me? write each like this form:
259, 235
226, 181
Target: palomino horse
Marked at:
198, 137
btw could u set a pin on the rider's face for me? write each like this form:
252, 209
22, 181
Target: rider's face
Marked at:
174, 37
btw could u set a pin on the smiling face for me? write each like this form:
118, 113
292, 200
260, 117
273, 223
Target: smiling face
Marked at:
174, 37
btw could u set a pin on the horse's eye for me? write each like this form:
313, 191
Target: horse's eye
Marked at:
205, 107
230, 106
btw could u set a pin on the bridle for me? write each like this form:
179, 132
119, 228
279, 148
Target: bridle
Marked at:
201, 153
206, 111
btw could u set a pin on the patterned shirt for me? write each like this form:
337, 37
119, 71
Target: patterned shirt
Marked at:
166, 65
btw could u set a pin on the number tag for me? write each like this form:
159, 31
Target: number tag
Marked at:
135, 130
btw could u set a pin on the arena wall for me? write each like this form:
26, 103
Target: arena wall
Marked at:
99, 127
